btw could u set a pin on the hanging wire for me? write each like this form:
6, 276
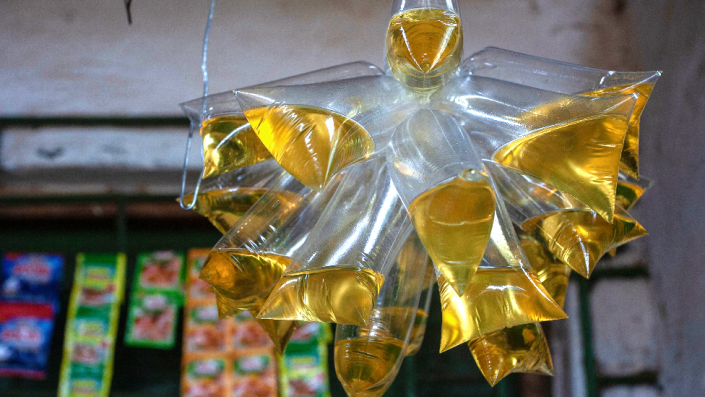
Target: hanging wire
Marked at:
128, 3
204, 69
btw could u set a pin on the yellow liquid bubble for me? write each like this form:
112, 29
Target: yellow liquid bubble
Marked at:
579, 238
553, 274
366, 366
628, 194
629, 162
279, 331
522, 348
312, 144
496, 298
424, 47
242, 276
580, 157
454, 221
230, 143
342, 295
417, 332
224, 207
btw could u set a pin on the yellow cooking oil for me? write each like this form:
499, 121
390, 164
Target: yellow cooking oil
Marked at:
454, 221
522, 348
629, 162
496, 298
579, 238
417, 332
552, 273
366, 366
628, 194
279, 331
230, 143
224, 207
424, 47
342, 295
579, 157
243, 276
311, 143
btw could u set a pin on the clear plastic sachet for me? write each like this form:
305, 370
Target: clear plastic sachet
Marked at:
419, 330
229, 142
566, 78
248, 261
338, 272
227, 197
449, 198
571, 142
567, 228
424, 42
314, 131
368, 358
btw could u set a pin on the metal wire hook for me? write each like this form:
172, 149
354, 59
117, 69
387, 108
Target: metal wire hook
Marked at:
204, 69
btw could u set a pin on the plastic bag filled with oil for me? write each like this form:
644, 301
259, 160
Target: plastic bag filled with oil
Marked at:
368, 358
338, 272
449, 198
249, 260
227, 197
229, 142
424, 42
316, 130
503, 293
567, 228
567, 78
422, 312
571, 142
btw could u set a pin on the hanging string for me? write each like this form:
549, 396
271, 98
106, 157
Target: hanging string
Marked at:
128, 3
204, 69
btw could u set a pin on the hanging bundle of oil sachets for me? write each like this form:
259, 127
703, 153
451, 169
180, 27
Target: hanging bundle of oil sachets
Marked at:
567, 78
424, 43
227, 197
571, 142
316, 130
249, 260
568, 229
229, 143
449, 198
368, 358
338, 272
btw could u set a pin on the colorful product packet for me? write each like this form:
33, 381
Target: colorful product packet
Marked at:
91, 326
157, 294
31, 277
25, 338
254, 374
303, 369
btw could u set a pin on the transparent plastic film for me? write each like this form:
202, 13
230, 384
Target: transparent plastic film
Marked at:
629, 191
449, 197
368, 358
229, 142
553, 274
227, 197
249, 260
503, 293
419, 330
569, 230
424, 43
338, 272
519, 349
314, 131
566, 78
571, 142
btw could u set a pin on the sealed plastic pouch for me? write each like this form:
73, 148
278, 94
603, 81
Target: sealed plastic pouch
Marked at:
229, 142
316, 130
503, 293
338, 272
419, 330
450, 199
424, 42
571, 231
571, 142
368, 358
566, 78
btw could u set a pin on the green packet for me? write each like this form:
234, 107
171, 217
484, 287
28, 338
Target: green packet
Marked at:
91, 325
152, 319
303, 371
159, 270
